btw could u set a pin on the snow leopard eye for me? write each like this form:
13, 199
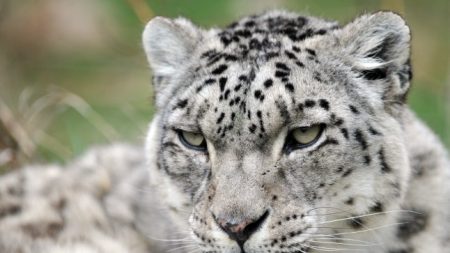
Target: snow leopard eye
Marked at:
192, 140
303, 137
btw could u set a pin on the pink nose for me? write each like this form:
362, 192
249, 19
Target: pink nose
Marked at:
241, 232
232, 228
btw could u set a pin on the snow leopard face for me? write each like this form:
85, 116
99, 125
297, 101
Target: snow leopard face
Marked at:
279, 132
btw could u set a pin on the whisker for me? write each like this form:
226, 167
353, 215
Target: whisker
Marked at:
318, 240
367, 230
365, 215
333, 249
342, 239
182, 247
186, 239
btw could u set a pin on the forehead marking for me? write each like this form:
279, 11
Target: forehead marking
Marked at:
222, 82
219, 70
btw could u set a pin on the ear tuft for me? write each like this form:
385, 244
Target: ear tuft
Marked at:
169, 43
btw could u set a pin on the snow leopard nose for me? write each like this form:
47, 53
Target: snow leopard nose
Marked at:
241, 232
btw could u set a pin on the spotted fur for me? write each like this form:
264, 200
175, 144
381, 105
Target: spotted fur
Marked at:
375, 181
362, 186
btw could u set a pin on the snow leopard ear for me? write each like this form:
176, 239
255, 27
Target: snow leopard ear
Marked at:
379, 49
168, 44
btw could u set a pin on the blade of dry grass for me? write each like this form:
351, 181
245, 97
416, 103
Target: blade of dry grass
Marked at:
142, 10
16, 130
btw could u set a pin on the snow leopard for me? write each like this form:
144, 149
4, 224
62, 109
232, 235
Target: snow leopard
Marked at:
279, 133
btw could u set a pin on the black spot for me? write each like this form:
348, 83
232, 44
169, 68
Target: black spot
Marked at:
296, 49
300, 64
317, 77
225, 40
250, 23
238, 87
349, 201
338, 122
412, 224
324, 104
290, 55
268, 83
181, 104
347, 173
367, 159
206, 83
283, 110
308, 33
259, 114
384, 166
208, 53
321, 32
377, 208
219, 70
373, 131
222, 83
252, 128
282, 66
311, 52
289, 87
227, 94
243, 33
230, 57
271, 55
310, 103
255, 44
243, 78
257, 94
215, 58
345, 133
209, 81
281, 74
353, 109
360, 138
222, 115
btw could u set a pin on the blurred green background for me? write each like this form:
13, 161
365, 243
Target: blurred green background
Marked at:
73, 74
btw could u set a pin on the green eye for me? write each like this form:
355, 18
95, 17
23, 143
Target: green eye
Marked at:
303, 137
306, 135
192, 140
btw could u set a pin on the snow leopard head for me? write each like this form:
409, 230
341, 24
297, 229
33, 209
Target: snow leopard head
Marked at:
279, 133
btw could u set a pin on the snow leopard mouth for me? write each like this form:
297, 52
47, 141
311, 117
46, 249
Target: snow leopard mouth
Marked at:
242, 237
